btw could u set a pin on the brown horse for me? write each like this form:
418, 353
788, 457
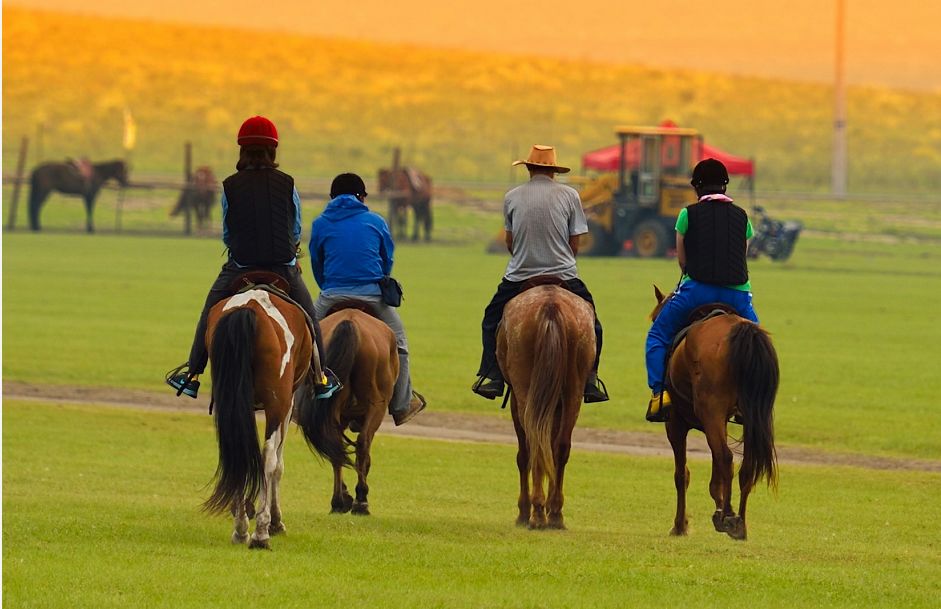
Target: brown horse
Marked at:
361, 351
546, 348
198, 196
260, 350
725, 366
407, 187
68, 179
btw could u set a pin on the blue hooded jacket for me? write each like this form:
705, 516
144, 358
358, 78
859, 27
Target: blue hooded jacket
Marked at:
350, 248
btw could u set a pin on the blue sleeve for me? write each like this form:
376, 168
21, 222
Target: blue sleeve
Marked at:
386, 246
225, 227
297, 216
316, 260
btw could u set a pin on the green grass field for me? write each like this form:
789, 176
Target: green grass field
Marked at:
101, 510
858, 349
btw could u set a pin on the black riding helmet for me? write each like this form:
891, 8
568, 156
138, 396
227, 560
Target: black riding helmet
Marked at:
710, 172
348, 184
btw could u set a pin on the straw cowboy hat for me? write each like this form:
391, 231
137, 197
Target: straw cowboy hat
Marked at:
542, 156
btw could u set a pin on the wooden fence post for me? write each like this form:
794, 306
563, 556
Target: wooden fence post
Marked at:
187, 177
18, 180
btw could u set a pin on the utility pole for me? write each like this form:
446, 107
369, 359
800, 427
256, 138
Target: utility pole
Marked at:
838, 169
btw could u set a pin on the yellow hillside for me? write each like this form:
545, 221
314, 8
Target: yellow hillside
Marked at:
342, 105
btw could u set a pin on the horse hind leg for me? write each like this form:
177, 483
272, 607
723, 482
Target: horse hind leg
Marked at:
677, 434
522, 463
241, 514
260, 538
89, 213
277, 523
720, 485
363, 463
538, 518
342, 501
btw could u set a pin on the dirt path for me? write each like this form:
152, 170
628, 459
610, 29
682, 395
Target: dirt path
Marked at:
462, 427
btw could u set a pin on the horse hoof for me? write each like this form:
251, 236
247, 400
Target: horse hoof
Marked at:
675, 532
360, 509
342, 509
239, 539
556, 522
276, 528
720, 522
259, 544
735, 528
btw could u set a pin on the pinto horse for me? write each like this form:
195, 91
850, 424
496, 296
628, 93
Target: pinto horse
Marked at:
68, 179
361, 351
545, 348
725, 366
260, 350
409, 188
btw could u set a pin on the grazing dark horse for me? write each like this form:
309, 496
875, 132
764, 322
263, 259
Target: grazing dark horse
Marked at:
198, 195
725, 366
361, 351
260, 350
546, 348
412, 188
68, 179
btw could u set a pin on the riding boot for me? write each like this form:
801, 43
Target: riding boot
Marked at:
402, 393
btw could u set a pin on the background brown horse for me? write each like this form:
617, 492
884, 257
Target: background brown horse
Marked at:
546, 348
198, 195
260, 350
361, 351
67, 178
726, 365
413, 189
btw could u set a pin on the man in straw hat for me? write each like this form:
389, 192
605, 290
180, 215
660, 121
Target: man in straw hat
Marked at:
543, 221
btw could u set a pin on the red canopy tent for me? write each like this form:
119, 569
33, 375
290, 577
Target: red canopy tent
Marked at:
609, 158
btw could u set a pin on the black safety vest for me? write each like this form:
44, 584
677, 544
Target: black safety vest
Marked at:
260, 217
715, 243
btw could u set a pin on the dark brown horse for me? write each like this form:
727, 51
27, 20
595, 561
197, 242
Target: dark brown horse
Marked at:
725, 366
260, 350
546, 348
67, 178
407, 187
361, 351
198, 196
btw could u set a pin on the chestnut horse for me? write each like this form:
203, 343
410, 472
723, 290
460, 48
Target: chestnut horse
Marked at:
409, 187
725, 366
67, 179
546, 348
260, 351
361, 351
198, 196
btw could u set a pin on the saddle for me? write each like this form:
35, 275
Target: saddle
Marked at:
353, 303
539, 280
270, 282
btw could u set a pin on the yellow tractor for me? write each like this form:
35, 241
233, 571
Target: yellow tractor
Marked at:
632, 207
635, 209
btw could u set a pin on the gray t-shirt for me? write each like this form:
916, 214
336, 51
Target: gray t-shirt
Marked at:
542, 214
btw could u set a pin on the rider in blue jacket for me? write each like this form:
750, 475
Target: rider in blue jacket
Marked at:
351, 251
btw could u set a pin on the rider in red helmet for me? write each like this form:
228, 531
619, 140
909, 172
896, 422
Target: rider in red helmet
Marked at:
261, 228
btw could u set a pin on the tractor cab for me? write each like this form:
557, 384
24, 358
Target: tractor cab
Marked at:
653, 184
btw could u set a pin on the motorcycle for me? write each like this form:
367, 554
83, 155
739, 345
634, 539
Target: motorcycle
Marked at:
773, 238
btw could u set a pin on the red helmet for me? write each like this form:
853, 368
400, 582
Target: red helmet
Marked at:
258, 131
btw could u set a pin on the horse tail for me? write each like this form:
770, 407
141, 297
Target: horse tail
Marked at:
240, 473
319, 419
754, 365
545, 389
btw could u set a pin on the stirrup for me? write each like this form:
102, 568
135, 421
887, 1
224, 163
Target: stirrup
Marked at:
595, 392
322, 390
182, 381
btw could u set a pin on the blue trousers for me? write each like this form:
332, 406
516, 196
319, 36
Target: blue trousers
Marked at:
675, 315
